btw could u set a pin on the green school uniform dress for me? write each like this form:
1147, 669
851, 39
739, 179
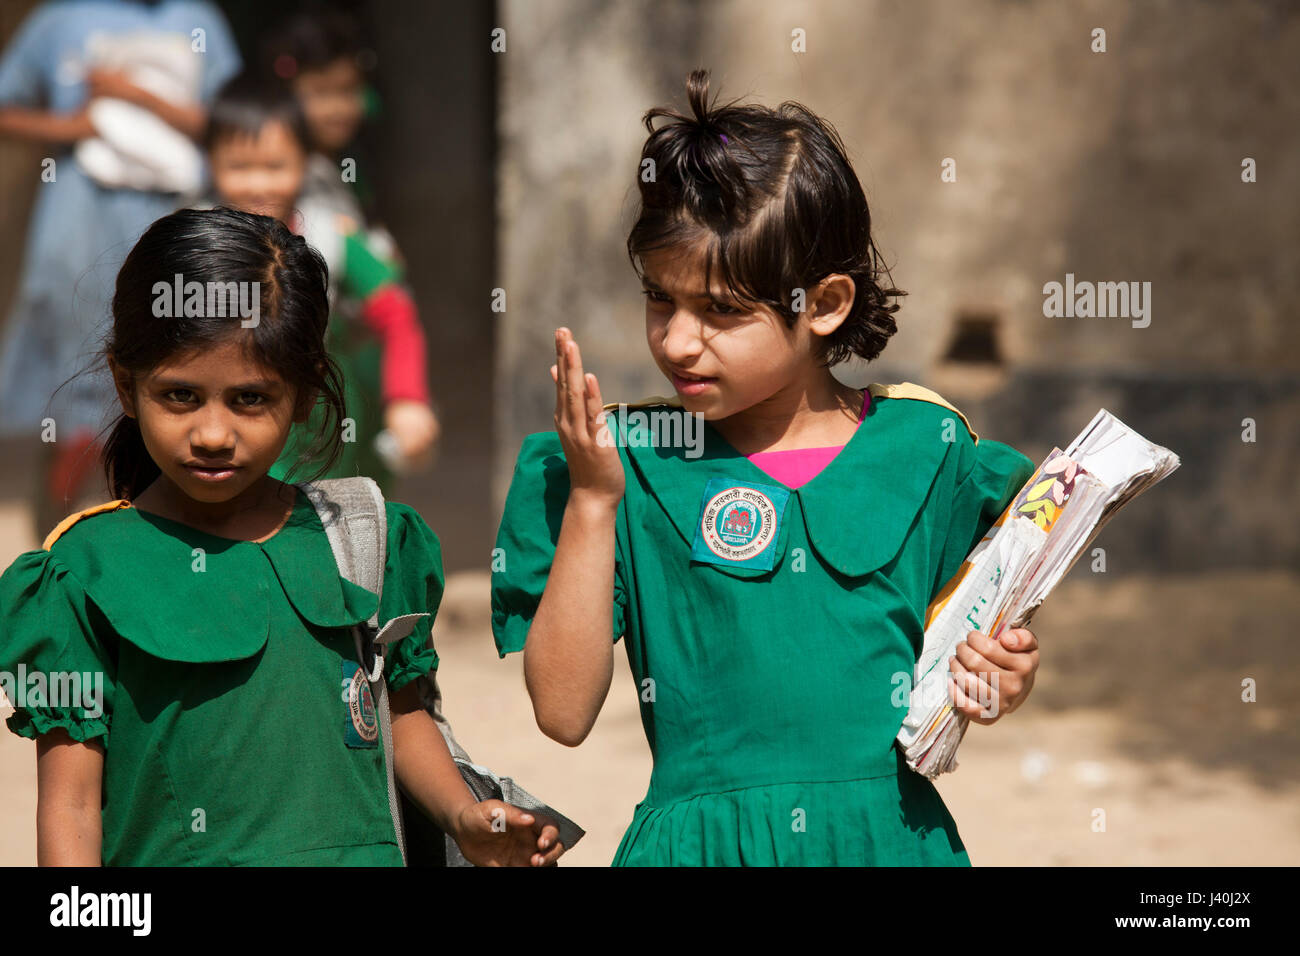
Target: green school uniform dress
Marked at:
772, 632
235, 727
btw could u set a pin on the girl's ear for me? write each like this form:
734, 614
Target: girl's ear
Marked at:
125, 386
831, 302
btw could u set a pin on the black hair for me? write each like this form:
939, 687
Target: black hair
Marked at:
772, 193
313, 41
247, 103
223, 245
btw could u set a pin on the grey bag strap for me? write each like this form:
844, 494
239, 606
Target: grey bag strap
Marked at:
352, 512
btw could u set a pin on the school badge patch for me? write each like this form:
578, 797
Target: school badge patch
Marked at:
361, 727
739, 524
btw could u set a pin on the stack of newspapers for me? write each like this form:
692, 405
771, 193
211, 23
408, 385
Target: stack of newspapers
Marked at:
1032, 545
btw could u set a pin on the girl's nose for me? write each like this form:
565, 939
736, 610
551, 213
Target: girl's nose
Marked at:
212, 432
682, 341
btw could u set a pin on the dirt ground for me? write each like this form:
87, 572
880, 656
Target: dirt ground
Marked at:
1137, 712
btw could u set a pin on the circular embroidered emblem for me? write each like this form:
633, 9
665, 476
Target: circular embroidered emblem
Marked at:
737, 523
361, 708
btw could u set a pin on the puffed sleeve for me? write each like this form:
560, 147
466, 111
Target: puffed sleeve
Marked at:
526, 540
54, 669
996, 474
413, 584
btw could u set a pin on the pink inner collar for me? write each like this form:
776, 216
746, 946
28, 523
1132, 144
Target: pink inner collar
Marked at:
794, 467
866, 403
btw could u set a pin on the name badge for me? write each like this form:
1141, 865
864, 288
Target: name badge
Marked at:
739, 524
361, 725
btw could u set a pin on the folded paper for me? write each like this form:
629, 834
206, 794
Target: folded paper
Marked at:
1027, 551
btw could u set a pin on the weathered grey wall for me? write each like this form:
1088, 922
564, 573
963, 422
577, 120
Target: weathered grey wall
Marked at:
1115, 166
574, 80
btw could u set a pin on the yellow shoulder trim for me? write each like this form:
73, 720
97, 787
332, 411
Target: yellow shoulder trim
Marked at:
72, 519
921, 394
652, 400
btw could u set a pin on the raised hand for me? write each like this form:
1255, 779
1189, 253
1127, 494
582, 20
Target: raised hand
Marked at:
595, 469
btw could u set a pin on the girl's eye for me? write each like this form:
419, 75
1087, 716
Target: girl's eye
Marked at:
655, 296
184, 396
723, 309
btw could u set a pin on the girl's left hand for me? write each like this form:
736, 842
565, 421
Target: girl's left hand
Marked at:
494, 833
991, 678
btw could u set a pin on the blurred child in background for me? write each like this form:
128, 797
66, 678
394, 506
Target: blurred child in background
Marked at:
64, 82
257, 143
322, 58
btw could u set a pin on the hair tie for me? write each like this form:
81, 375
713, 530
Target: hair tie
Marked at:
723, 137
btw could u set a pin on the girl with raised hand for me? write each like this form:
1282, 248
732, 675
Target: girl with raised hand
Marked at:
766, 541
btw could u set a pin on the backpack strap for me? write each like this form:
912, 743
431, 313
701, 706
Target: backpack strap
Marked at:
352, 512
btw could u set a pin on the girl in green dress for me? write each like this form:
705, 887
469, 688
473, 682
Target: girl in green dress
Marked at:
768, 540
183, 654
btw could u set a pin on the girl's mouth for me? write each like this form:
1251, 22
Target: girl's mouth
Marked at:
692, 385
212, 474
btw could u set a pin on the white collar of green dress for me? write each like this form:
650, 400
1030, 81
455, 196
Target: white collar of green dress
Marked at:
184, 595
857, 510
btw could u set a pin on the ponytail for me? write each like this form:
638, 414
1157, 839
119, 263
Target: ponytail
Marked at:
127, 463
696, 160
